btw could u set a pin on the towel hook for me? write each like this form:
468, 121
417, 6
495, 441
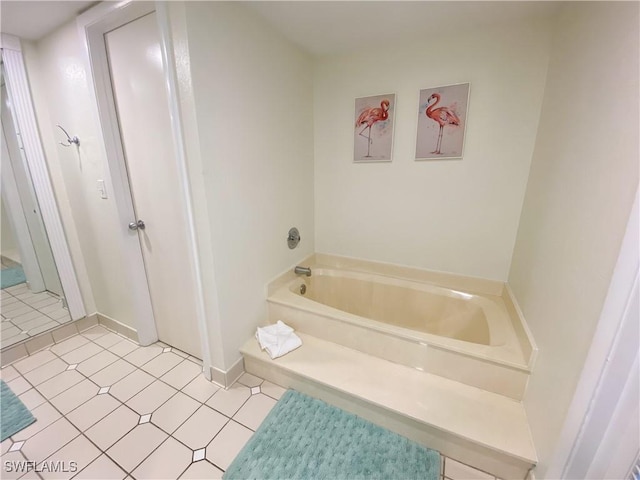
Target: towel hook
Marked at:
70, 140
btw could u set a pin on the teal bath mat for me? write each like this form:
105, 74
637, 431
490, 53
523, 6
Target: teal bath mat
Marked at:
12, 276
304, 438
14, 416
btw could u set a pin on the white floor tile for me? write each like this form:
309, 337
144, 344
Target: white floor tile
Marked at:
97, 363
9, 373
179, 376
32, 399
202, 471
59, 383
227, 444
49, 440
142, 355
82, 353
113, 427
45, 372
75, 396
252, 413
33, 361
13, 472
130, 385
19, 385
175, 412
102, 468
68, 345
4, 446
229, 401
149, 399
249, 380
162, 364
16, 446
93, 411
168, 461
123, 348
131, 450
79, 450
199, 454
108, 340
201, 389
113, 373
200, 428
45, 415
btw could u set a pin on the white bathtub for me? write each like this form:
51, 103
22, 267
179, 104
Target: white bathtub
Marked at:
414, 308
467, 337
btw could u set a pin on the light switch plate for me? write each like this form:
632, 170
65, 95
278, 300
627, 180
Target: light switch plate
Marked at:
102, 189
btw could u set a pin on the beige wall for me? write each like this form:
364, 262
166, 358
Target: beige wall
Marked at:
457, 216
253, 101
582, 183
61, 95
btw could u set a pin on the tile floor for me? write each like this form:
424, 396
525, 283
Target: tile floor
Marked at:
25, 314
110, 409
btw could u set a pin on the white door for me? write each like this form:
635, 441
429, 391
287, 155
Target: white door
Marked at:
136, 68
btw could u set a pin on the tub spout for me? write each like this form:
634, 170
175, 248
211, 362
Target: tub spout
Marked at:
302, 271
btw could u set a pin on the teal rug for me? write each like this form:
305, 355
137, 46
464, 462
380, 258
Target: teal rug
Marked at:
304, 438
12, 276
14, 416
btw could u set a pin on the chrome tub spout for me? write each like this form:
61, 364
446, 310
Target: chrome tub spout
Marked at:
302, 271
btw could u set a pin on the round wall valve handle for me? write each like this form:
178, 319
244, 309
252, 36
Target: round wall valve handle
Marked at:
294, 238
137, 225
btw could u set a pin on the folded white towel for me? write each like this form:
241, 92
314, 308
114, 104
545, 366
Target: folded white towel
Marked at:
277, 339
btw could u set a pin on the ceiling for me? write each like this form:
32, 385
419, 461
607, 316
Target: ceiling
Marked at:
330, 27
34, 20
319, 27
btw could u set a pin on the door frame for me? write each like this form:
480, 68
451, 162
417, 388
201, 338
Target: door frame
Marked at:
599, 436
24, 113
92, 25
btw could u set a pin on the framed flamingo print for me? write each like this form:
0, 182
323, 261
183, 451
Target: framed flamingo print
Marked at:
373, 129
442, 120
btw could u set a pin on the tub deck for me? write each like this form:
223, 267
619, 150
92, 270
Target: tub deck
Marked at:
482, 428
499, 368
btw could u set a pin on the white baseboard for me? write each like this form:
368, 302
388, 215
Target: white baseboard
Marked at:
118, 327
228, 377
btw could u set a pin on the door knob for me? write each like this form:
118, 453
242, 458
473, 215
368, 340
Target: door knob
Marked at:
137, 225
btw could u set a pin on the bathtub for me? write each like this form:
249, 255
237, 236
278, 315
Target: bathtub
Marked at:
468, 337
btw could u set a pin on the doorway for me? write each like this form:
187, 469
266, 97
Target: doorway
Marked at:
130, 79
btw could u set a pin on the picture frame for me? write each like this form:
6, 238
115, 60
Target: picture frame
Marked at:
373, 129
442, 122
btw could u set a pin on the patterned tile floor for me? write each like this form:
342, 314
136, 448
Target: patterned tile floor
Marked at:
118, 410
25, 314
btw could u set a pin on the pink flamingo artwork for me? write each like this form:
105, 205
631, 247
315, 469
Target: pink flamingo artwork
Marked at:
442, 115
369, 117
